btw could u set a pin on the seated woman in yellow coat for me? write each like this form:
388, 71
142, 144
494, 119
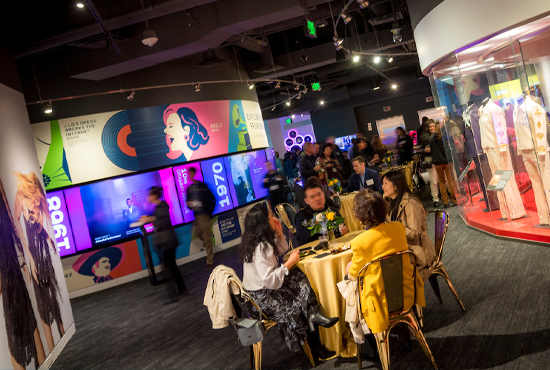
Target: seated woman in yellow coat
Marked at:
380, 239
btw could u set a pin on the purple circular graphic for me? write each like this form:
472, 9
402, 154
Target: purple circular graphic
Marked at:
308, 139
292, 133
289, 142
299, 140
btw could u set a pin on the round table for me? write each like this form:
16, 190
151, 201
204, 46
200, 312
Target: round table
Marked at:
346, 210
323, 275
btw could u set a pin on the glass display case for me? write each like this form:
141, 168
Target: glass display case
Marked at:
493, 99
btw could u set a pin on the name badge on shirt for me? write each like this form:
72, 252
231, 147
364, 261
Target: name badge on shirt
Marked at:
274, 187
370, 182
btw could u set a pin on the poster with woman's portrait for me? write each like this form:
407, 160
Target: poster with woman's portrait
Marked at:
144, 138
36, 312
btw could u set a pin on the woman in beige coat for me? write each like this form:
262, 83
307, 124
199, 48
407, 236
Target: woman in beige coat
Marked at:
407, 209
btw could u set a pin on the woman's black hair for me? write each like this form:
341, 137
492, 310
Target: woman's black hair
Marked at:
155, 191
256, 230
398, 179
327, 145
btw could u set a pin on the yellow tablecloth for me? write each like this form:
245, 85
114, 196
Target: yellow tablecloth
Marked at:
323, 274
346, 210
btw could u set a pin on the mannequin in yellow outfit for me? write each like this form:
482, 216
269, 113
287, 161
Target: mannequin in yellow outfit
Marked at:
381, 239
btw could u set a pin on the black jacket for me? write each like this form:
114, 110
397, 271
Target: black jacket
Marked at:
438, 151
275, 182
355, 182
306, 166
405, 145
302, 232
202, 197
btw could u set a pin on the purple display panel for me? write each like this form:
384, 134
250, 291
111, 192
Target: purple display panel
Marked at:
215, 176
171, 195
77, 216
61, 223
246, 175
270, 155
181, 173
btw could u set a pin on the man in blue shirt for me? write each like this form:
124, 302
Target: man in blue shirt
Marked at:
363, 178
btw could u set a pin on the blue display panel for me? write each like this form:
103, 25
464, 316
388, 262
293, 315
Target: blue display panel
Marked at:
246, 175
214, 175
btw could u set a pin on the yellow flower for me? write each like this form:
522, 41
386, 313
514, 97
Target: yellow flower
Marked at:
330, 183
330, 216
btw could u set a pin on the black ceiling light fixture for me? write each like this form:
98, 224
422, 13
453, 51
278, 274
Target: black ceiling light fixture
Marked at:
375, 85
48, 108
198, 88
346, 18
131, 95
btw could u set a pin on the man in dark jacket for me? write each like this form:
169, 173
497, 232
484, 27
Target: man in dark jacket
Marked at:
275, 182
316, 203
306, 164
363, 178
405, 146
202, 202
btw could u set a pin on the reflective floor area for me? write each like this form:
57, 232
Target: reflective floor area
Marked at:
502, 283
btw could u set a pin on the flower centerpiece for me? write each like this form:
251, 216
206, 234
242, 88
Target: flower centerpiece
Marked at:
327, 220
335, 186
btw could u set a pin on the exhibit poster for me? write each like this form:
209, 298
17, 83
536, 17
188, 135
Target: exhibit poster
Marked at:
36, 312
82, 149
102, 265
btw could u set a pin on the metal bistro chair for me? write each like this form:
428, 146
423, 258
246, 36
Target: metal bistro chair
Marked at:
239, 303
281, 212
392, 275
441, 227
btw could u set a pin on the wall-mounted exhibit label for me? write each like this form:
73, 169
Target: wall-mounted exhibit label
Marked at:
82, 149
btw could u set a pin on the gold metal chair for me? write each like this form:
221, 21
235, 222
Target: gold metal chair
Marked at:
441, 227
392, 275
281, 212
256, 348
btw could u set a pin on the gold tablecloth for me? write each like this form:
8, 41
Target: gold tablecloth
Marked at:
323, 274
346, 210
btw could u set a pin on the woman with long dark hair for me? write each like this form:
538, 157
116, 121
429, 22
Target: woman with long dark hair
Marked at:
21, 328
31, 209
284, 295
379, 149
408, 210
329, 165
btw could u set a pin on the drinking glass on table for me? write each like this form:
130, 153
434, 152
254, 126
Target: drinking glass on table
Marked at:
323, 242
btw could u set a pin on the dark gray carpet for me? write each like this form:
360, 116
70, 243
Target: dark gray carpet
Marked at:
503, 284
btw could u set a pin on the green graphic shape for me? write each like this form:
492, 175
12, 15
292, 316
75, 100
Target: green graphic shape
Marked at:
244, 137
56, 172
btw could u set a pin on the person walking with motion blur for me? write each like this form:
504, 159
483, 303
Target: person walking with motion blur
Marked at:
202, 202
165, 242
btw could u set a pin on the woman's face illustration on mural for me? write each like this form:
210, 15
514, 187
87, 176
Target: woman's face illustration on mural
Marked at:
177, 136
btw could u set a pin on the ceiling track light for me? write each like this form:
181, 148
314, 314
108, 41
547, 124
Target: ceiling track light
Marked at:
79, 5
301, 115
375, 85
48, 108
363, 3
396, 32
299, 96
198, 88
346, 18
322, 102
356, 58
131, 95
303, 58
293, 116
288, 102
296, 87
376, 59
278, 85
250, 85
394, 86
272, 109
149, 38
337, 41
